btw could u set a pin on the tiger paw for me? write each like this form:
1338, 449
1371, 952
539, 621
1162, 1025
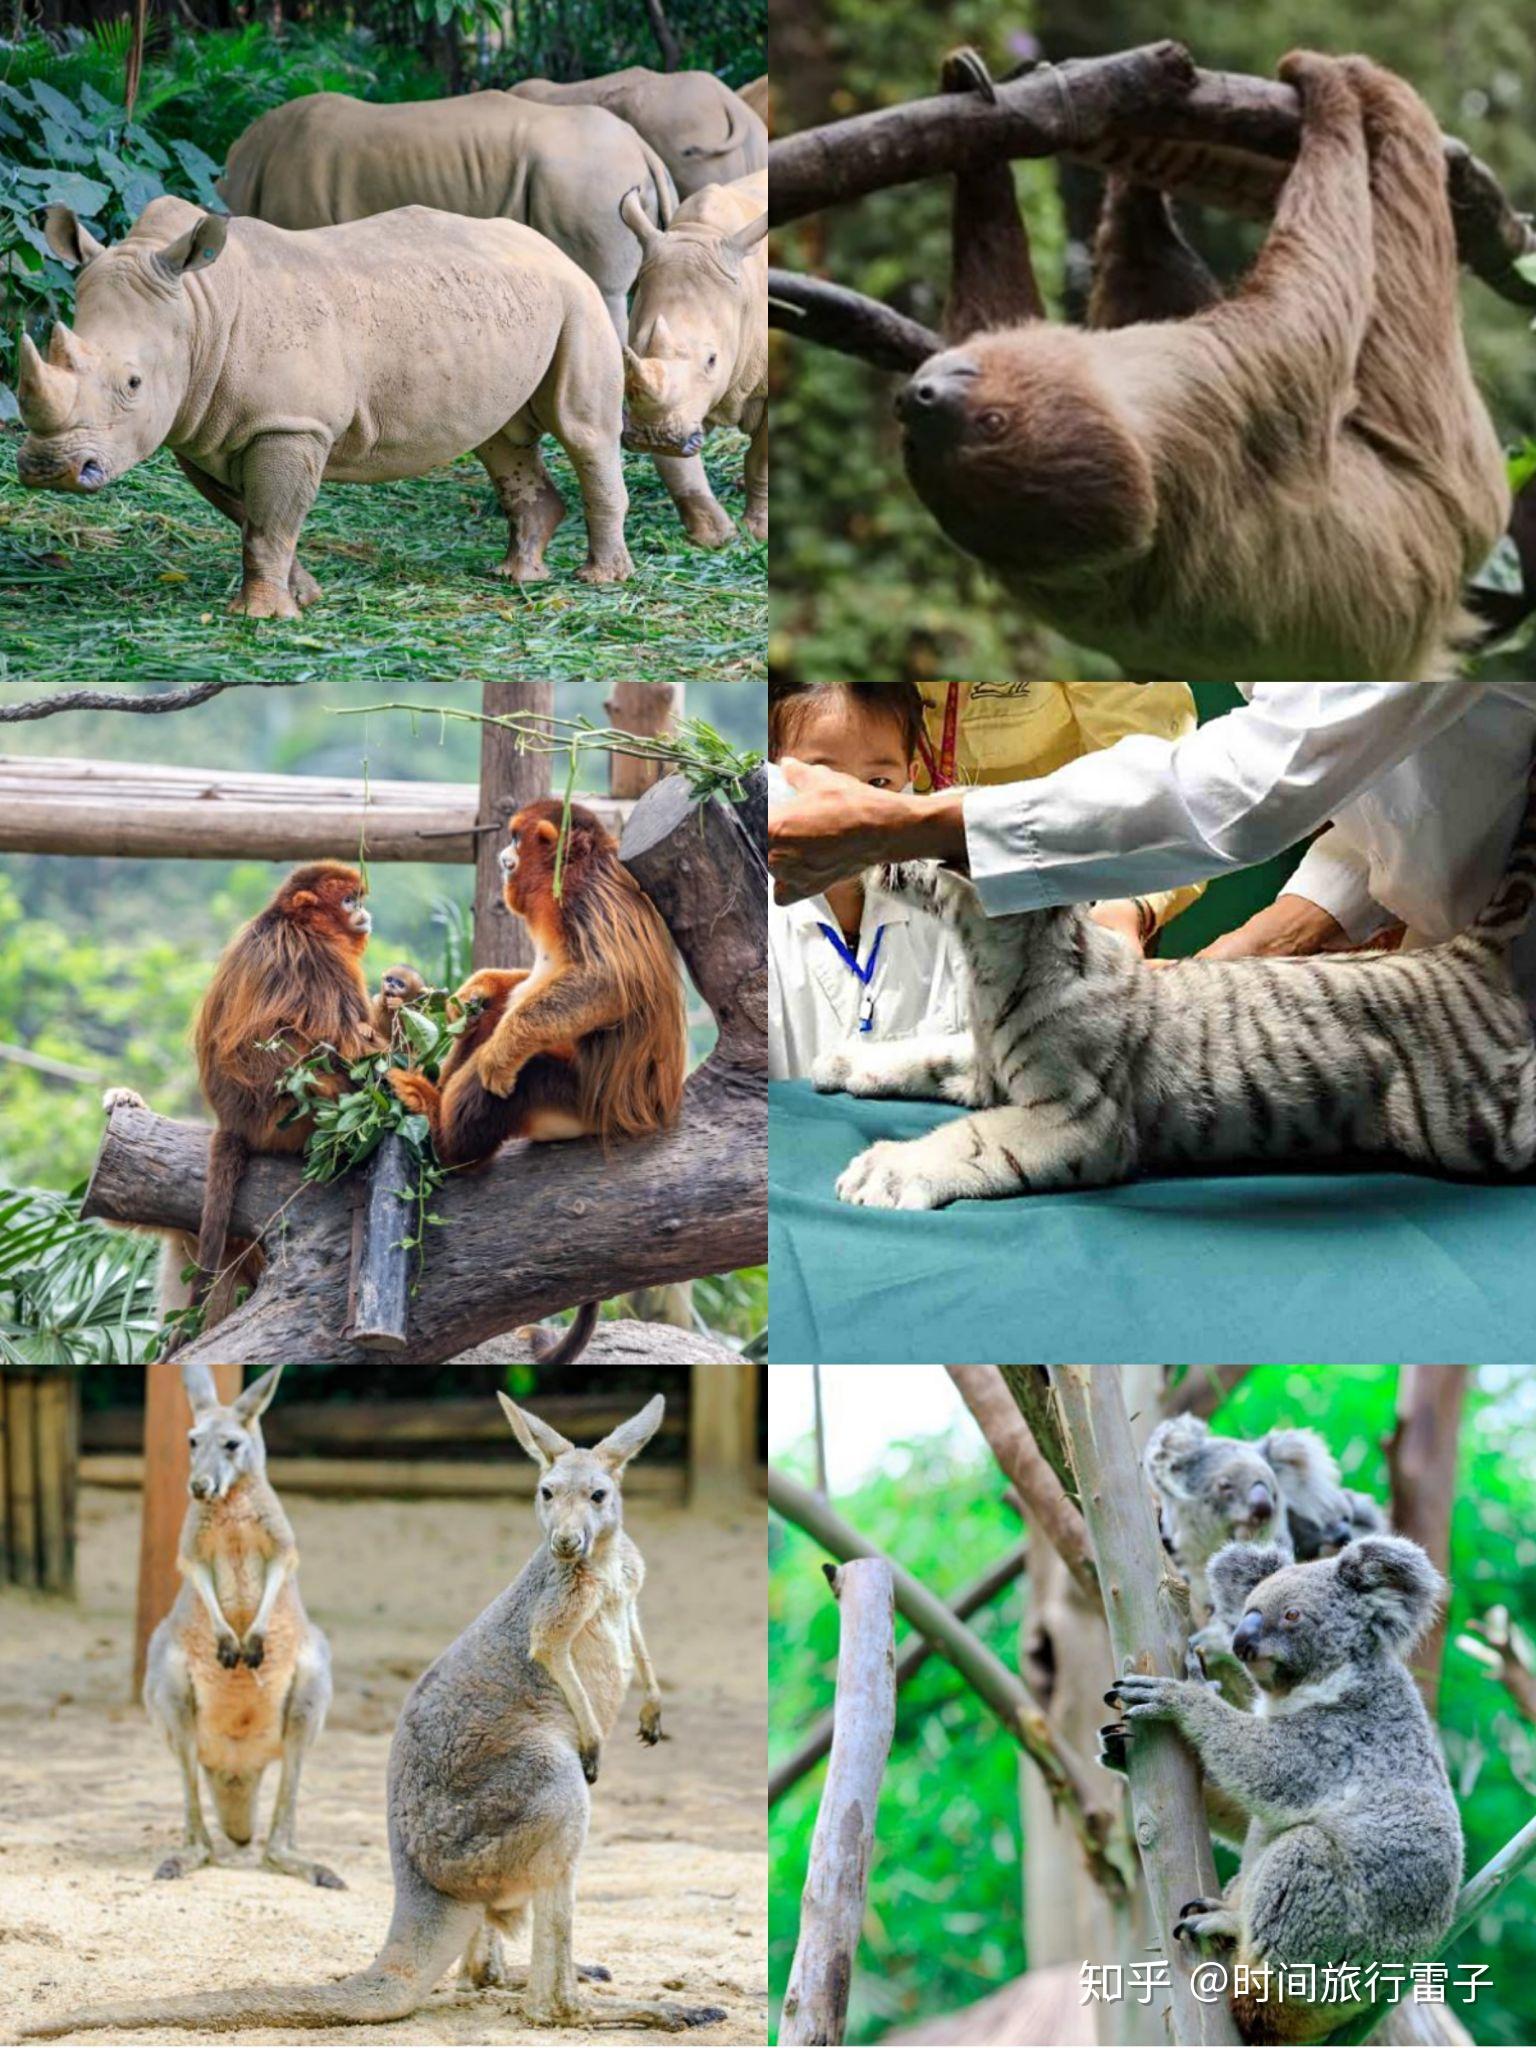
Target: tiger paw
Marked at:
830, 1072
888, 1177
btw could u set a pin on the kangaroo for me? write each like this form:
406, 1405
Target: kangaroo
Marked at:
489, 1770
237, 1675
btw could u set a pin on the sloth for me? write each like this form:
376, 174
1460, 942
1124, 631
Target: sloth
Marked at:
1293, 481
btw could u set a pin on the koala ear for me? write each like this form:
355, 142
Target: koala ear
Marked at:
1170, 1450
1398, 1586
1236, 1569
1306, 1469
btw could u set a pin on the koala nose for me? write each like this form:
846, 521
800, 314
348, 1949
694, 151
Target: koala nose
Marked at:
1245, 1638
1261, 1504
1336, 1535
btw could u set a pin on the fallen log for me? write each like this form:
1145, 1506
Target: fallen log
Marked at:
1215, 136
543, 1226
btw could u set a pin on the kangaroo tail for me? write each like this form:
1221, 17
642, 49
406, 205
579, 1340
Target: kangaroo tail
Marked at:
427, 1932
234, 1800
227, 1156
1514, 901
572, 1341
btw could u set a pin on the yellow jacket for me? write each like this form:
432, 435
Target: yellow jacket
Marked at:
1012, 732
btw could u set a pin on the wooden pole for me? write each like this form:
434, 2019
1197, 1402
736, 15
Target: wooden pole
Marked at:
722, 1430
650, 710
842, 1847
166, 1464
57, 1399
1145, 1635
508, 780
21, 1454
383, 1224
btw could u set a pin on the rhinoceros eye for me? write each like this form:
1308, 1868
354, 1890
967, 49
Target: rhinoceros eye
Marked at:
135, 381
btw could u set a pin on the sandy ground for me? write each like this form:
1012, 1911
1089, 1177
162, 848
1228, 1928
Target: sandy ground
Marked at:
673, 1887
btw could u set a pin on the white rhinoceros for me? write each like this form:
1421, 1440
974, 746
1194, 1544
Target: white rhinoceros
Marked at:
327, 157
759, 98
698, 353
706, 134
270, 361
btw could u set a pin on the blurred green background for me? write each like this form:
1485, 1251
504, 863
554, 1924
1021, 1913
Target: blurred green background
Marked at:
943, 1926
863, 582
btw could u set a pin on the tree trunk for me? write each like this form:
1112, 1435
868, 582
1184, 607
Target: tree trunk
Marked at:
1421, 1460
842, 1846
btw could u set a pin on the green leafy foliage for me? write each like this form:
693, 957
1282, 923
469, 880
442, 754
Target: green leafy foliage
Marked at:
71, 1293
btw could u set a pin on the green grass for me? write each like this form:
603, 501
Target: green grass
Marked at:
134, 584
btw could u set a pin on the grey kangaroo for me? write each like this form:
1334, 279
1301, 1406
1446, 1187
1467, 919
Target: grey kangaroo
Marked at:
237, 1675
488, 1773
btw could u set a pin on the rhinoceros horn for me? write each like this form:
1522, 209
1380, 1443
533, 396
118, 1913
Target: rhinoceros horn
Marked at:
637, 220
642, 379
748, 237
66, 351
45, 394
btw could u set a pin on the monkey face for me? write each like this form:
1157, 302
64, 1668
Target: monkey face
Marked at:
527, 858
1022, 457
328, 897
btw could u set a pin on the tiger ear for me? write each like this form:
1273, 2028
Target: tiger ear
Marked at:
547, 831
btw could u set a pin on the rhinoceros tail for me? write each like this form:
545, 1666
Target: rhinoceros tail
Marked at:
240, 186
737, 130
661, 184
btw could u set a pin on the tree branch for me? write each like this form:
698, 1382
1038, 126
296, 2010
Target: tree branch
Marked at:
1145, 1633
998, 1688
1203, 1389
109, 700
1045, 1503
1218, 137
842, 1846
1030, 1386
837, 318
915, 1653
1505, 1654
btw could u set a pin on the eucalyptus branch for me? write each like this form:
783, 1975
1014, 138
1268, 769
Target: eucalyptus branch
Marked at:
1030, 1387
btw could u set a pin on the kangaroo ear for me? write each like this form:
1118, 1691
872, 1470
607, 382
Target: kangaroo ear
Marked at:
623, 1443
257, 1397
542, 1443
201, 1391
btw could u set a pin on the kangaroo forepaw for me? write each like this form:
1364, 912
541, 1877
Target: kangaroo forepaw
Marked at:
650, 1723
590, 1757
253, 1649
230, 1652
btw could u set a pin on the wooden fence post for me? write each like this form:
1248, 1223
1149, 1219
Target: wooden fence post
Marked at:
722, 1429
166, 1464
508, 780
842, 1846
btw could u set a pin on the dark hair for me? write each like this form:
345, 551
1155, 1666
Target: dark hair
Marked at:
902, 702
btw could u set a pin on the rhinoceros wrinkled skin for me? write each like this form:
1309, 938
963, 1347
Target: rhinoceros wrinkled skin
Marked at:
327, 158
271, 361
698, 351
706, 134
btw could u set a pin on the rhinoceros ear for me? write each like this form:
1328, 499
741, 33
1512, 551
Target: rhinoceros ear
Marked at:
72, 244
196, 249
748, 237
637, 220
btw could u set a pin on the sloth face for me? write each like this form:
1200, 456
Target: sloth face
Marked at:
1021, 458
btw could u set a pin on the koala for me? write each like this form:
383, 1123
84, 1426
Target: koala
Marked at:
1353, 1853
1283, 1490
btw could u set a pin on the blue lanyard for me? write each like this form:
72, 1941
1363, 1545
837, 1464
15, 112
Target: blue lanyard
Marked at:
863, 975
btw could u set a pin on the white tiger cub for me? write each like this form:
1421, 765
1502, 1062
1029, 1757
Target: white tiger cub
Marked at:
1086, 1068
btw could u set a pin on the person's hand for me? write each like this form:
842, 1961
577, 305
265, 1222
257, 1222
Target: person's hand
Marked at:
1125, 917
837, 827
1291, 925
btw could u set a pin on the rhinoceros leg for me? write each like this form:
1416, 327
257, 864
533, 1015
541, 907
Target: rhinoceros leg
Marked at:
281, 475
533, 506
757, 481
705, 519
303, 586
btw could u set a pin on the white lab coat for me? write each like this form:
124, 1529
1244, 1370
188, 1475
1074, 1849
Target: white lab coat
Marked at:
814, 998
1425, 785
